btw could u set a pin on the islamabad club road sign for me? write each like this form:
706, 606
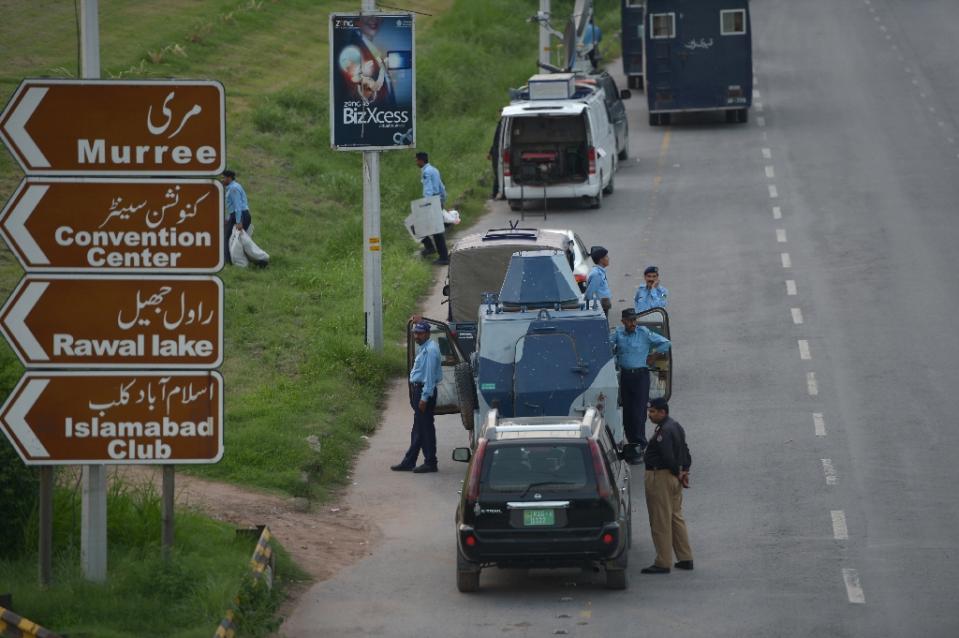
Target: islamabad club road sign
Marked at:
112, 321
115, 225
116, 417
104, 127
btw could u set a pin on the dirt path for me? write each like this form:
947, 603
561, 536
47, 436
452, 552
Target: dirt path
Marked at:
321, 541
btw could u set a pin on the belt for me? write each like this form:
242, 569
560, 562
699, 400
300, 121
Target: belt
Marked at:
633, 370
416, 383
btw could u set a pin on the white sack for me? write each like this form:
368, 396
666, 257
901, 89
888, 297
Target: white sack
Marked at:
237, 254
256, 254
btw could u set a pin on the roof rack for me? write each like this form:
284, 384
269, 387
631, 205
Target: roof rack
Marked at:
497, 429
495, 234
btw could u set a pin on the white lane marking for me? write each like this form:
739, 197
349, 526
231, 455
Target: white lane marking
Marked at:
790, 287
932, 109
756, 94
787, 260
829, 472
777, 212
951, 140
767, 153
797, 315
839, 530
761, 121
915, 82
770, 172
781, 235
853, 586
908, 70
922, 95
773, 191
811, 385
876, 18
804, 353
758, 106
882, 28
941, 123
888, 37
819, 423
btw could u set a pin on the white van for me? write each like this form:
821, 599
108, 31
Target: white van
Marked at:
557, 149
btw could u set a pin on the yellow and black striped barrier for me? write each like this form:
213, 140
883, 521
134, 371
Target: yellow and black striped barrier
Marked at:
261, 566
16, 626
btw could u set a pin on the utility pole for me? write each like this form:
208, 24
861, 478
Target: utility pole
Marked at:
93, 529
544, 47
372, 244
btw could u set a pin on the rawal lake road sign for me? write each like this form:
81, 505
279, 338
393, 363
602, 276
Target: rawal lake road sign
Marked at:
107, 127
112, 321
115, 225
115, 417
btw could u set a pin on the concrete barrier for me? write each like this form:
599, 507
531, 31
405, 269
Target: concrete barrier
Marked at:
16, 626
261, 569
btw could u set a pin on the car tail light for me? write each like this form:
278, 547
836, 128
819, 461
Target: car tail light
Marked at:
506, 158
599, 469
591, 156
579, 278
471, 541
607, 539
664, 96
472, 493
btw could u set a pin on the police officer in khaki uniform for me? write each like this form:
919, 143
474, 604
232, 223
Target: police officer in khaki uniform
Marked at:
667, 473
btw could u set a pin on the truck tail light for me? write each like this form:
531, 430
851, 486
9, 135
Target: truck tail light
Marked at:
734, 91
599, 469
506, 158
591, 156
472, 493
580, 278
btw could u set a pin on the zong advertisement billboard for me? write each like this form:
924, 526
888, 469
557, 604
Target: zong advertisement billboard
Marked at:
372, 82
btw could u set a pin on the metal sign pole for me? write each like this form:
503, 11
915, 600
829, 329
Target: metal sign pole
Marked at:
46, 525
544, 48
372, 244
169, 474
93, 532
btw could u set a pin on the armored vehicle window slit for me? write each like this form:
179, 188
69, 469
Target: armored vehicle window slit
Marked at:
662, 26
732, 22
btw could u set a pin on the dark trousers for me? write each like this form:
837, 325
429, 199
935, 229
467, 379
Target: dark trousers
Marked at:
634, 394
228, 231
436, 243
495, 178
423, 434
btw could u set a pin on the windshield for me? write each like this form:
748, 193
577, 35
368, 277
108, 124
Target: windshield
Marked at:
544, 466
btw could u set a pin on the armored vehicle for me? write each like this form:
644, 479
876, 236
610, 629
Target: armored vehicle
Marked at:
542, 350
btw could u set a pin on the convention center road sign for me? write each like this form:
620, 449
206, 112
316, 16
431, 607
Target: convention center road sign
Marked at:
115, 225
54, 418
107, 127
112, 321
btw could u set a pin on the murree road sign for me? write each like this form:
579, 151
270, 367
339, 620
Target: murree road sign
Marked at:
112, 321
115, 225
115, 417
109, 127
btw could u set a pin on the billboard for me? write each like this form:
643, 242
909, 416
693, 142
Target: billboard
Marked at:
372, 81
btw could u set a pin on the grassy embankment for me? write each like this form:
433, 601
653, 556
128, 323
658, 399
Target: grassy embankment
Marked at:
295, 362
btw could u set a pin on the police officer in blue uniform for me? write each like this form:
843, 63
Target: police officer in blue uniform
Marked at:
426, 374
597, 286
652, 294
634, 346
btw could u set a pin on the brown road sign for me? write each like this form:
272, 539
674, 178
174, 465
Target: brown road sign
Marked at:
115, 225
112, 321
116, 417
108, 127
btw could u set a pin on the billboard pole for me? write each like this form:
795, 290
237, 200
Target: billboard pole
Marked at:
372, 245
93, 527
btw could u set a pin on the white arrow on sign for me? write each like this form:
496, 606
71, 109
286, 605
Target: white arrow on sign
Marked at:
16, 127
17, 418
16, 320
16, 224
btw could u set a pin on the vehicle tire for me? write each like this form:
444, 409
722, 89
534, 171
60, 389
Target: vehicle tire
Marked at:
743, 116
467, 575
665, 118
515, 204
732, 116
611, 186
632, 82
616, 579
465, 392
653, 119
597, 202
624, 154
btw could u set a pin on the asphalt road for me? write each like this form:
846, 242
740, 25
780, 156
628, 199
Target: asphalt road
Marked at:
810, 256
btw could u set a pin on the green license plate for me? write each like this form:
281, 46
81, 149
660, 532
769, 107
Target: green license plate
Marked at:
532, 518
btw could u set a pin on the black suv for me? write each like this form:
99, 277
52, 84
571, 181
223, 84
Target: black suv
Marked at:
544, 492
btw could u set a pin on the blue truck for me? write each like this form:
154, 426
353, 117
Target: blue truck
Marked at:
698, 57
632, 13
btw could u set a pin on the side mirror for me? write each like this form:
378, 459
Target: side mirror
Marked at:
462, 454
625, 94
446, 290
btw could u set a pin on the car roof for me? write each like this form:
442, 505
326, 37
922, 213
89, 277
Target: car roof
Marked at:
545, 107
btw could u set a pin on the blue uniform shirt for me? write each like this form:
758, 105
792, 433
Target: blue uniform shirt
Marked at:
633, 348
646, 299
596, 283
427, 369
433, 183
236, 200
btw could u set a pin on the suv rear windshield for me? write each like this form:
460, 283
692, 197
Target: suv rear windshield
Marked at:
547, 466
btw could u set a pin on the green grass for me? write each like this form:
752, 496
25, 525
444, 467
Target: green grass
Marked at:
295, 361
144, 595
